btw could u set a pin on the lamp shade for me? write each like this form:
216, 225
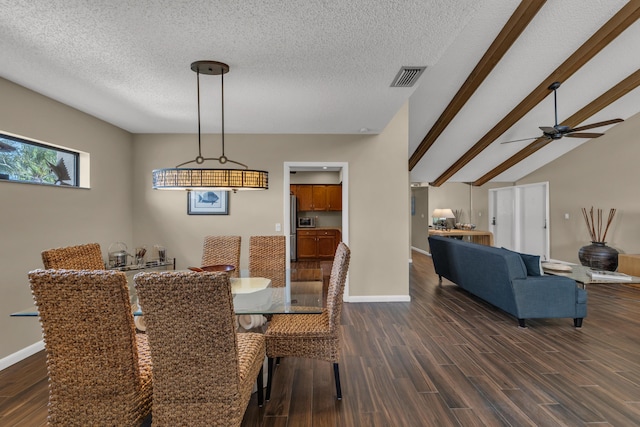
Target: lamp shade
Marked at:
443, 213
438, 213
447, 213
197, 178
213, 179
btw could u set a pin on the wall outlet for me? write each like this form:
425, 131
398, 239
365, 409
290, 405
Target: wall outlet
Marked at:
566, 216
278, 226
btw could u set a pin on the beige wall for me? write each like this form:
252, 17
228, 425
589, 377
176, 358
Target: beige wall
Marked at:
315, 178
378, 198
37, 217
602, 173
121, 206
473, 201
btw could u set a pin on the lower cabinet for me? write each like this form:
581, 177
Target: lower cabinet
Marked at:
318, 244
307, 244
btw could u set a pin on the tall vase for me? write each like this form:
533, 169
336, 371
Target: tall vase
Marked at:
599, 256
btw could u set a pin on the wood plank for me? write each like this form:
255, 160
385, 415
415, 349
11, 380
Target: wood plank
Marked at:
444, 359
516, 24
623, 19
613, 94
501, 403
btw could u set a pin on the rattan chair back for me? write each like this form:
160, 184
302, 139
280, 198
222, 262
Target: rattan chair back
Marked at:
203, 371
222, 250
80, 257
267, 257
313, 336
336, 284
96, 374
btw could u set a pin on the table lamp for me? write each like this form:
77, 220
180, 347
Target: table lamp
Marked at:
441, 216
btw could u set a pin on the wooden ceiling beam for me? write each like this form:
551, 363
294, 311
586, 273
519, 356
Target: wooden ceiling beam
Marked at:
625, 17
516, 24
613, 94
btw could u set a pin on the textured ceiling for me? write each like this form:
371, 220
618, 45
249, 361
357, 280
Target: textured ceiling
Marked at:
315, 67
296, 67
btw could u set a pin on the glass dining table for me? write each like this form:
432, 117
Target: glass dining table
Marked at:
264, 292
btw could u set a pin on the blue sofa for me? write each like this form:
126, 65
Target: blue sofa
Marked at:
508, 280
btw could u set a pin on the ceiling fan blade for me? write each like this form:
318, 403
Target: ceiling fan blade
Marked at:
596, 125
583, 135
523, 139
548, 130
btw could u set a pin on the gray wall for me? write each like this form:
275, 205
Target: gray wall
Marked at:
421, 219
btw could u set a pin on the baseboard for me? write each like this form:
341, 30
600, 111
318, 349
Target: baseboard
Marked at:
380, 298
422, 251
19, 355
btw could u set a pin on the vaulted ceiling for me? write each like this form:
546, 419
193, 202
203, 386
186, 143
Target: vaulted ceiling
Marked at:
327, 67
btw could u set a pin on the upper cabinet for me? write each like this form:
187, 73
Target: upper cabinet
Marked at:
325, 197
334, 197
305, 197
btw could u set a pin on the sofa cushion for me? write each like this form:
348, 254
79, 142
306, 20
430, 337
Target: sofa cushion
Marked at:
531, 262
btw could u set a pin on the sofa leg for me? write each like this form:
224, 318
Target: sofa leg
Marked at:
522, 324
439, 280
577, 322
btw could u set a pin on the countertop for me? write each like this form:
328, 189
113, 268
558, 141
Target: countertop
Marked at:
320, 228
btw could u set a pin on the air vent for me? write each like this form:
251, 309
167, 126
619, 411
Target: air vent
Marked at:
407, 76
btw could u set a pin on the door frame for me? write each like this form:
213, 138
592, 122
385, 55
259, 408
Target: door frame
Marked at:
517, 200
286, 182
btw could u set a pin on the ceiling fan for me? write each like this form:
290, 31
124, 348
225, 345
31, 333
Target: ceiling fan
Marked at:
558, 131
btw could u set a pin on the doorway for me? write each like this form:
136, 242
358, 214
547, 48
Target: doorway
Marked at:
519, 218
343, 168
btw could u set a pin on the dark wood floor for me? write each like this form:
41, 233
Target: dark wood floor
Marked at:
444, 359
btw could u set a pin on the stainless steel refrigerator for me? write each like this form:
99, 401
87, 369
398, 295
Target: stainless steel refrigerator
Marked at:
293, 227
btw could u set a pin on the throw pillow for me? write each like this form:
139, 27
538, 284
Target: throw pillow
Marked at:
532, 262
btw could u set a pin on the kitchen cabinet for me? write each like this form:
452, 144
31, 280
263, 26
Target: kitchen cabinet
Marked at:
319, 197
318, 244
334, 197
305, 197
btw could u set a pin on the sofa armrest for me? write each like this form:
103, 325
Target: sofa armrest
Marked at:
549, 296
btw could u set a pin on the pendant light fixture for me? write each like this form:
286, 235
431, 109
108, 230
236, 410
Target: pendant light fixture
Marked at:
201, 179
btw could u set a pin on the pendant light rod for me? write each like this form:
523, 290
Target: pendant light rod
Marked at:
222, 109
211, 68
199, 133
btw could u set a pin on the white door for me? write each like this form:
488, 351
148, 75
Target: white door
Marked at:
519, 218
502, 217
533, 235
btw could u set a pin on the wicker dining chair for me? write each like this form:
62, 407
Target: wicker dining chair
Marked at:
203, 370
267, 257
222, 250
99, 368
80, 257
313, 336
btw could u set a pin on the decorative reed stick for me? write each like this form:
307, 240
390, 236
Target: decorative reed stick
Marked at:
590, 220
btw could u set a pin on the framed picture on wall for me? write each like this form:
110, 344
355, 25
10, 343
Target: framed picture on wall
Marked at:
208, 203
